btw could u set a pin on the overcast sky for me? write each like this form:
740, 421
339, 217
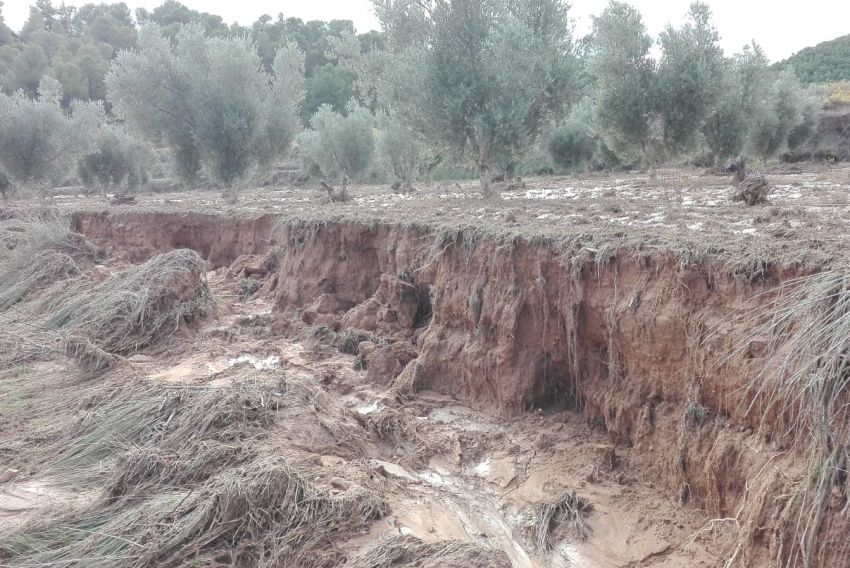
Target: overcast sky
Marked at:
780, 27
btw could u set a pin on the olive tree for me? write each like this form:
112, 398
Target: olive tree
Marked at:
779, 113
209, 99
339, 145
400, 152
689, 77
745, 81
725, 130
117, 160
479, 77
40, 143
759, 111
574, 143
810, 109
623, 76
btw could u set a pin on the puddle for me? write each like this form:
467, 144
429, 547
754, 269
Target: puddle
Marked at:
202, 367
19, 501
433, 478
270, 362
369, 408
482, 469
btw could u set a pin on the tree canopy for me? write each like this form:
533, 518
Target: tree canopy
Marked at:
624, 75
39, 142
76, 46
489, 84
481, 77
209, 98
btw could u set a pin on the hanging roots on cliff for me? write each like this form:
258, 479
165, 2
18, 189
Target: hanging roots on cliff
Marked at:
568, 510
804, 390
410, 552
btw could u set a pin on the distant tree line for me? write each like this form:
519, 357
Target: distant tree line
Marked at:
500, 87
76, 46
692, 102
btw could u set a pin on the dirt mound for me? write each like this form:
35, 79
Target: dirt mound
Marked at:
830, 142
753, 190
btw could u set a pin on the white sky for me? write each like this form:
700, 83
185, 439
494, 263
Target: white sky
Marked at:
780, 27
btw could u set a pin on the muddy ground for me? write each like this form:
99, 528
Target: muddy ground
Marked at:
552, 378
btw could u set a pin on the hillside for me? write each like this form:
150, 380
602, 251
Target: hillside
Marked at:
823, 63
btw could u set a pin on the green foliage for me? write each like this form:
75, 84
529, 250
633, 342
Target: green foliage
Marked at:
573, 144
364, 57
689, 77
760, 110
623, 76
778, 115
39, 142
478, 77
74, 46
695, 415
6, 35
825, 62
810, 107
725, 131
313, 38
400, 152
171, 16
26, 70
338, 145
117, 160
744, 82
331, 85
209, 98
479, 81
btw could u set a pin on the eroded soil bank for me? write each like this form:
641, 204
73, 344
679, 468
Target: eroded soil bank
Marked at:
644, 344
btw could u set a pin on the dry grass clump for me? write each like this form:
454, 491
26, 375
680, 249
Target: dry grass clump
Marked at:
182, 483
408, 382
398, 431
38, 232
341, 423
410, 552
205, 430
803, 392
334, 194
348, 341
89, 356
43, 267
140, 470
140, 305
568, 510
35, 253
263, 514
146, 435
49, 304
